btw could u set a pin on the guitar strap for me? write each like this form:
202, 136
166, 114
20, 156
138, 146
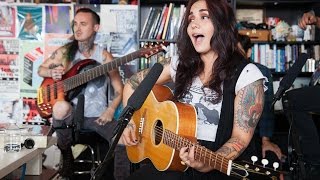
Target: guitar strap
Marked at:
224, 130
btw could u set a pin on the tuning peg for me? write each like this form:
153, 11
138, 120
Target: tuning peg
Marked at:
164, 48
275, 165
264, 162
254, 159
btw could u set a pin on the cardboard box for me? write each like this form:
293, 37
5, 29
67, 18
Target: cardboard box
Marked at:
255, 16
256, 35
32, 61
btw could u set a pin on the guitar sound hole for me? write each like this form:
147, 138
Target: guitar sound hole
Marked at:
158, 132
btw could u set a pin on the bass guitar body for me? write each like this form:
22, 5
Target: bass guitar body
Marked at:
52, 91
156, 116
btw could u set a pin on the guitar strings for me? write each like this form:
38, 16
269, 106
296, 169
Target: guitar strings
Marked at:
74, 81
79, 79
173, 140
177, 142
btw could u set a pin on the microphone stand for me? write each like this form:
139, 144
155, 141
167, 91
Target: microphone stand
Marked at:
134, 102
122, 124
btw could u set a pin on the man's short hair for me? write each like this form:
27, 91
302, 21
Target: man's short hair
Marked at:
95, 16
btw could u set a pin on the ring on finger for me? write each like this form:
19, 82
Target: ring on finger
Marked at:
183, 163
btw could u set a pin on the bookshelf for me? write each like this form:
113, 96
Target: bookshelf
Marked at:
158, 22
286, 10
289, 11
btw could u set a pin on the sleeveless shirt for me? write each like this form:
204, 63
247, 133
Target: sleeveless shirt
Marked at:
96, 90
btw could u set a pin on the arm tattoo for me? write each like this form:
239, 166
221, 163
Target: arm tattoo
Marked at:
52, 66
232, 148
54, 54
249, 108
164, 61
65, 53
136, 79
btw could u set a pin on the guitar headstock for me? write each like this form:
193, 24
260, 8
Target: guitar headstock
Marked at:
153, 48
252, 170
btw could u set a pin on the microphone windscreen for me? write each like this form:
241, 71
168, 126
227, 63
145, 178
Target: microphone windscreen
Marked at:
140, 94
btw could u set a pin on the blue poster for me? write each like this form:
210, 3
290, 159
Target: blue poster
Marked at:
30, 22
58, 19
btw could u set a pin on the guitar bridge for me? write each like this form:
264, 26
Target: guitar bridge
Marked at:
141, 123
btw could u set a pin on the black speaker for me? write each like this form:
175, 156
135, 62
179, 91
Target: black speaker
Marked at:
28, 143
300, 106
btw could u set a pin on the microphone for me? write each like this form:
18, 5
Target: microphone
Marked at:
289, 78
140, 94
134, 103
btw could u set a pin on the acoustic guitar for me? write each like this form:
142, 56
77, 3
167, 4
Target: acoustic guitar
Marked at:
164, 127
51, 91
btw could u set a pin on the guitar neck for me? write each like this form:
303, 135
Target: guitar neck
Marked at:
202, 154
84, 77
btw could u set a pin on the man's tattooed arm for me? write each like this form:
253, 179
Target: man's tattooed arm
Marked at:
53, 65
136, 79
248, 109
54, 54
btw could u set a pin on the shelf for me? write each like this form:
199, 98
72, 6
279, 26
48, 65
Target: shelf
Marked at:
281, 74
149, 2
156, 40
273, 2
287, 42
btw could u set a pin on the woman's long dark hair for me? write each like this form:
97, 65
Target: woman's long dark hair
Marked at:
223, 42
73, 47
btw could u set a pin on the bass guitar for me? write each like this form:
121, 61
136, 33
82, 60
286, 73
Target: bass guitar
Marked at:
164, 127
51, 91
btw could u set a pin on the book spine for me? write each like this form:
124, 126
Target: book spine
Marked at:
162, 22
153, 27
149, 24
168, 19
146, 22
158, 22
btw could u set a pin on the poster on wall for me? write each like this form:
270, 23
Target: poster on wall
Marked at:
7, 21
122, 28
9, 67
30, 113
53, 42
10, 110
30, 22
58, 19
31, 57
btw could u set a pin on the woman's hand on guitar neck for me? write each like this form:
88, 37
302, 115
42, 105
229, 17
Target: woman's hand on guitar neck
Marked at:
128, 136
187, 155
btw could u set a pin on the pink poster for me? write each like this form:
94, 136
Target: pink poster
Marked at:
54, 41
7, 21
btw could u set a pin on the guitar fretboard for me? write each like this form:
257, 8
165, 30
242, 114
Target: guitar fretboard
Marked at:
202, 154
84, 77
